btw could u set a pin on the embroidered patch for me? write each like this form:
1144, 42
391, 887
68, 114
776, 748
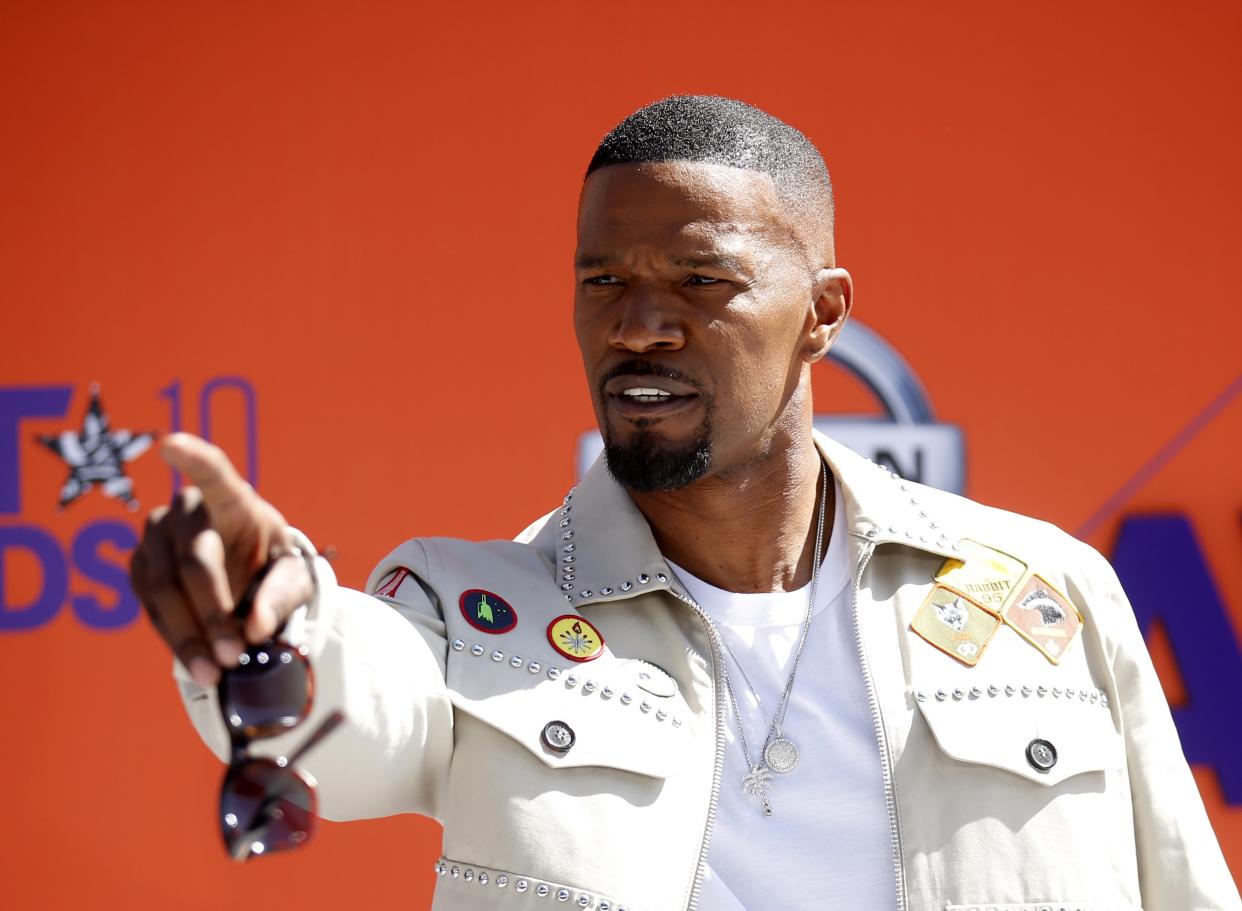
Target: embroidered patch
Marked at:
391, 583
987, 575
575, 638
1044, 617
955, 624
487, 611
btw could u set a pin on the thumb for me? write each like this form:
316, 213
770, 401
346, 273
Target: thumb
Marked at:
209, 469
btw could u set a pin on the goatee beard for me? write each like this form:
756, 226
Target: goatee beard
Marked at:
647, 463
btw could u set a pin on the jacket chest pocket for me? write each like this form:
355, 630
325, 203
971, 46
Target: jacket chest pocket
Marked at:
610, 713
1041, 733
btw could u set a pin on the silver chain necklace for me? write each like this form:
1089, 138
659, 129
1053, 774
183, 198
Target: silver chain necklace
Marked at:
779, 754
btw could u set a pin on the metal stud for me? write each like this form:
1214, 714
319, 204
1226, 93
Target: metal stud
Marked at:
542, 889
626, 698
605, 591
661, 714
521, 885
454, 871
993, 689
498, 655
959, 694
534, 667
501, 881
676, 722
458, 645
553, 673
568, 558
567, 586
476, 650
626, 585
920, 696
1010, 689
1056, 691
569, 548
562, 895
568, 535
975, 692
643, 578
872, 532
515, 661
482, 878
1042, 690
585, 593
1026, 689
941, 695
606, 692
468, 876
1069, 692
571, 680
644, 706
588, 687
661, 577
584, 901
564, 522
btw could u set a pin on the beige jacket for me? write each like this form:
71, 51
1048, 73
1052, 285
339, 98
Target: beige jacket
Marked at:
447, 720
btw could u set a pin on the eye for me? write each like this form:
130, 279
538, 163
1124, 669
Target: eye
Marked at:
600, 280
704, 281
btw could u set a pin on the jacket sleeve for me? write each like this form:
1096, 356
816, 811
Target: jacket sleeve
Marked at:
1180, 864
381, 661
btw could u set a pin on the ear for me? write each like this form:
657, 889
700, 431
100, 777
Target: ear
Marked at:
831, 302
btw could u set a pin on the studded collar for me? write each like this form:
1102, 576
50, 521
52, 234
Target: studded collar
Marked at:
604, 550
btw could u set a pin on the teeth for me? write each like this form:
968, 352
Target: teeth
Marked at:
646, 395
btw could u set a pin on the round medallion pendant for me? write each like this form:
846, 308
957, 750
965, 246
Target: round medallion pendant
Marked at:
781, 755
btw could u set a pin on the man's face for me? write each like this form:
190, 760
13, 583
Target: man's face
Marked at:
692, 308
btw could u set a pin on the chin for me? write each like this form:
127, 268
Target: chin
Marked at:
646, 461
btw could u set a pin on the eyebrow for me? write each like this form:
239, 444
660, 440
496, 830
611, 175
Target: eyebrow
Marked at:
689, 262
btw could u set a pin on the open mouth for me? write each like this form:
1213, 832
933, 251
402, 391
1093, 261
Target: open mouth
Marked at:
648, 396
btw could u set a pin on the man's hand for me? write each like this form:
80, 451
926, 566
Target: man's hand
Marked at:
199, 554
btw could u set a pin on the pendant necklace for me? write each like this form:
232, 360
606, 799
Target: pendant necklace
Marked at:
779, 754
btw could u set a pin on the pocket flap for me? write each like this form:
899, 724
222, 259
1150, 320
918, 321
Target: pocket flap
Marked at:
615, 723
1045, 739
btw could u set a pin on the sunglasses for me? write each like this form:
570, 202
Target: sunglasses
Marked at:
267, 805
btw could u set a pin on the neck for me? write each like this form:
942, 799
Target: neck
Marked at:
748, 529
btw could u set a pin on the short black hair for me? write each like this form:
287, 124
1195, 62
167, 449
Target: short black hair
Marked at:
724, 131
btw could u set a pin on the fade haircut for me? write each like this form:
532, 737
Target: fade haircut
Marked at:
724, 131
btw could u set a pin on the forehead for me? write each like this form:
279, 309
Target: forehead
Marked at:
668, 204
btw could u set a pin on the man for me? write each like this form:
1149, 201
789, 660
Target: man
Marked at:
740, 666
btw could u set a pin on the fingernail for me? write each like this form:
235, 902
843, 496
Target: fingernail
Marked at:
204, 672
228, 650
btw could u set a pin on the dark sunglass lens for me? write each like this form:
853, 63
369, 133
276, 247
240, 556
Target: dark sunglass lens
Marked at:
264, 808
268, 692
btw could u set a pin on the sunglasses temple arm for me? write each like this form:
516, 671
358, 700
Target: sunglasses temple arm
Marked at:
326, 727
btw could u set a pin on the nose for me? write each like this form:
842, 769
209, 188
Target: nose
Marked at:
647, 323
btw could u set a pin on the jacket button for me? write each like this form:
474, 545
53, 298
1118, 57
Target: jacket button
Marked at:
558, 736
1041, 754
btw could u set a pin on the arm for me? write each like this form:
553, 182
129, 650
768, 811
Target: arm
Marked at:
382, 662
1180, 864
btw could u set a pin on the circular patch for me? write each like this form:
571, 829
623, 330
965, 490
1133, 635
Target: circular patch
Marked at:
487, 611
575, 638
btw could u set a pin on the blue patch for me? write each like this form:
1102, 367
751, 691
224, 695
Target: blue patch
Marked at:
487, 611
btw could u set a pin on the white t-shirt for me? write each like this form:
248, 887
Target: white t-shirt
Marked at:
827, 843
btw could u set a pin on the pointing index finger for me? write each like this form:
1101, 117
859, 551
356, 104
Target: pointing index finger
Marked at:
209, 469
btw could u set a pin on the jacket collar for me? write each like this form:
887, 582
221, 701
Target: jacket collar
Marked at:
603, 548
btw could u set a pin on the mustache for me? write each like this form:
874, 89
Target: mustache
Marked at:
640, 367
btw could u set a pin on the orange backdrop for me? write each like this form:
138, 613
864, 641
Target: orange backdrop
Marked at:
363, 213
